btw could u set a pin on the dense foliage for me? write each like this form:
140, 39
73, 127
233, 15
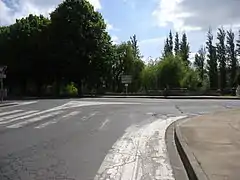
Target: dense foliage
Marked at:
72, 53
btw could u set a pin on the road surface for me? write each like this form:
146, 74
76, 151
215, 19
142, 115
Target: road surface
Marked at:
83, 139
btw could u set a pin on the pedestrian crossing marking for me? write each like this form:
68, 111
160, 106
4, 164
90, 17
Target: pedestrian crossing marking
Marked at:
10, 112
14, 116
36, 119
29, 116
54, 121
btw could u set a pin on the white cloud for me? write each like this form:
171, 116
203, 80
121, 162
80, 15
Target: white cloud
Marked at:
115, 39
190, 15
13, 9
151, 47
96, 4
157, 40
110, 26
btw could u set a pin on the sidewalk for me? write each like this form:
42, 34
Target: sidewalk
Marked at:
209, 145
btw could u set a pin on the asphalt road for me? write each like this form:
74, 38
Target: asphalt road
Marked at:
78, 139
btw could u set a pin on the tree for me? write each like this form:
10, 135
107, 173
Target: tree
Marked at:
211, 61
170, 65
231, 55
238, 44
170, 42
149, 76
123, 63
24, 46
184, 49
135, 47
166, 50
199, 62
176, 44
82, 50
221, 55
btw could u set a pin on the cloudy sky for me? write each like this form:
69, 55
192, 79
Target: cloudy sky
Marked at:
150, 20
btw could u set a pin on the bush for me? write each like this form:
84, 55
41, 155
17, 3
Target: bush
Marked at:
70, 90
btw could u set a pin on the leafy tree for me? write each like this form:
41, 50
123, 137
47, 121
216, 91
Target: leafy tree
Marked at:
81, 52
238, 44
211, 61
24, 45
199, 63
122, 63
221, 55
170, 65
176, 44
135, 47
231, 55
170, 42
190, 79
149, 76
166, 50
185, 49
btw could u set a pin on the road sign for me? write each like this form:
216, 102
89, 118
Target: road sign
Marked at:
126, 79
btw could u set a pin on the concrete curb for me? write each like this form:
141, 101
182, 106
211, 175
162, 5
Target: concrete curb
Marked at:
191, 164
179, 171
173, 97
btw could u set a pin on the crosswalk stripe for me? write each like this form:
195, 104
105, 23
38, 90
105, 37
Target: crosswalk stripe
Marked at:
10, 112
29, 116
14, 116
36, 119
74, 113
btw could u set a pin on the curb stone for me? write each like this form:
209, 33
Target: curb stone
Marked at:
179, 171
192, 166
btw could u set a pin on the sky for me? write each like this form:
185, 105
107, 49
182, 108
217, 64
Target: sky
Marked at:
150, 20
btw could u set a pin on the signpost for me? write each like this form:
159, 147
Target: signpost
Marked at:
2, 76
126, 79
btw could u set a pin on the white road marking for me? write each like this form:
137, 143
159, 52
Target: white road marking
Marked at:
73, 104
34, 114
36, 119
26, 103
10, 112
139, 154
54, 121
104, 124
14, 116
84, 118
46, 124
74, 113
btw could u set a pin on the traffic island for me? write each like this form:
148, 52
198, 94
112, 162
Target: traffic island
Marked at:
209, 145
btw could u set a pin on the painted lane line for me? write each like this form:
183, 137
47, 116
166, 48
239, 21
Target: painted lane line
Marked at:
54, 121
14, 116
104, 124
10, 112
33, 120
139, 154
